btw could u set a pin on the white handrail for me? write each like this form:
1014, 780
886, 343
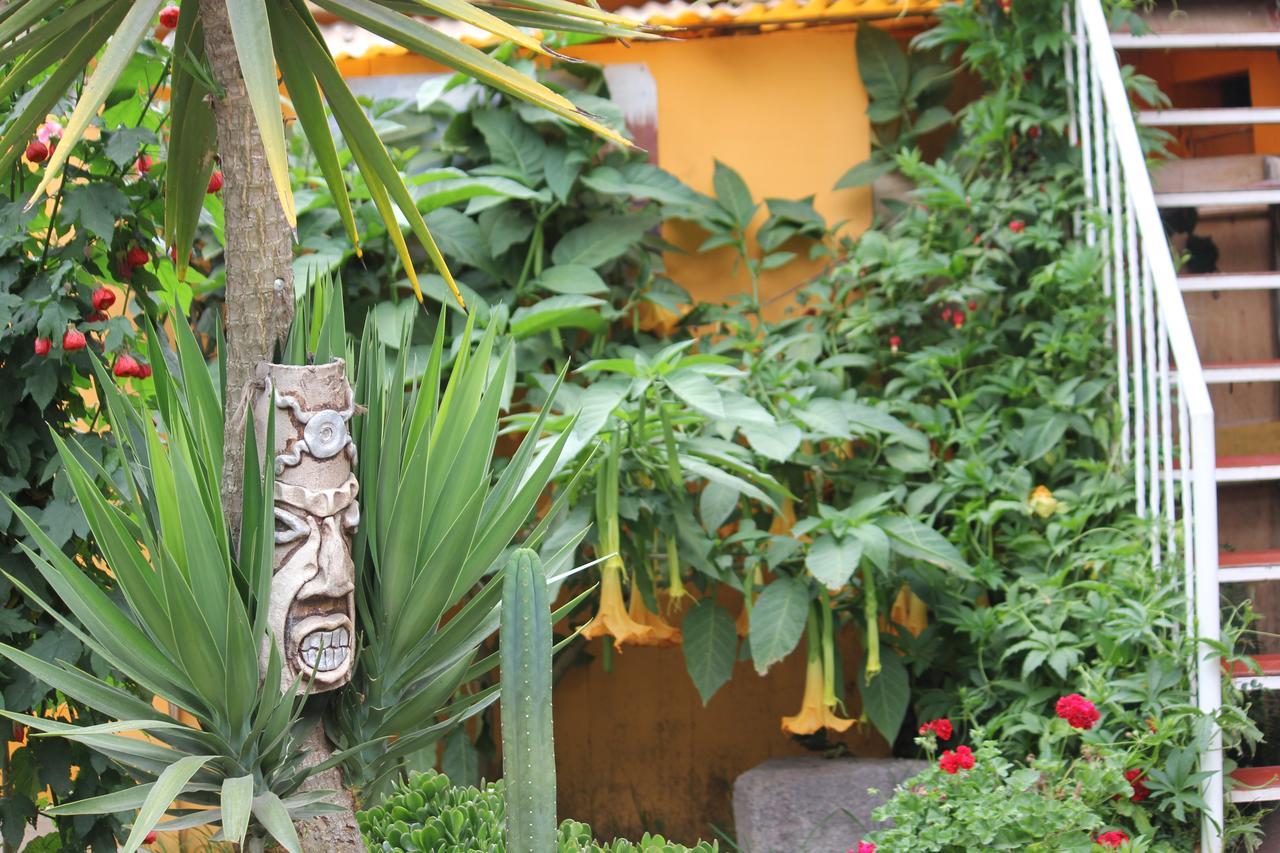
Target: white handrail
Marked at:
1168, 419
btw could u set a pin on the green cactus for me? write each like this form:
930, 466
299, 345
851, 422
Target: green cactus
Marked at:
528, 748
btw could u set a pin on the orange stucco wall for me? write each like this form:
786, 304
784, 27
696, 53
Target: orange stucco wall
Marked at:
785, 109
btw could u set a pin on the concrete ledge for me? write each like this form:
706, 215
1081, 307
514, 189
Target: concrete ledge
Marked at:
813, 804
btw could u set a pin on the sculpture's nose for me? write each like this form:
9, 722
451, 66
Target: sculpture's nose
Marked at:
335, 573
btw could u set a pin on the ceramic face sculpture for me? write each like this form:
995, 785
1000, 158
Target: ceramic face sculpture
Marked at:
312, 612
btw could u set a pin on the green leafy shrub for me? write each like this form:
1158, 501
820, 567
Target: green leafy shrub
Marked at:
427, 813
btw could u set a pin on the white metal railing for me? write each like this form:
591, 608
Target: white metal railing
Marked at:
1166, 411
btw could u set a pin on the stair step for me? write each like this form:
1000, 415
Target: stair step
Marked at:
1242, 371
1245, 677
1197, 41
1255, 785
1220, 198
1229, 281
1249, 469
1226, 117
1248, 566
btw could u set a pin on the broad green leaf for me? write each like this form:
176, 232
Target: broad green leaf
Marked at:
710, 646
1042, 431
511, 142
866, 172
883, 66
733, 195
558, 312
697, 391
127, 800
832, 561
274, 817
572, 278
919, 541
777, 621
777, 443
885, 697
601, 240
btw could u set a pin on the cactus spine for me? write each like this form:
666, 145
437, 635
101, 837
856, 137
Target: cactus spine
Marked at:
528, 748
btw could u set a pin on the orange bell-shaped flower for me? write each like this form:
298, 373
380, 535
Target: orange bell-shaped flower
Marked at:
663, 633
612, 617
814, 714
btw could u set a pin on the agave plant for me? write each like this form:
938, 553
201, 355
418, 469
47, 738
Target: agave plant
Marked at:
192, 614
50, 43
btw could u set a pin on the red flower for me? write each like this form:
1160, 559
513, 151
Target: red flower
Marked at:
215, 182
973, 305
1006, 6
1078, 711
946, 314
864, 847
1017, 226
954, 762
73, 339
126, 365
144, 371
43, 345
1140, 790
957, 319
137, 257
96, 317
151, 836
1033, 132
103, 298
1112, 839
144, 163
37, 152
20, 734
169, 17
941, 728
894, 343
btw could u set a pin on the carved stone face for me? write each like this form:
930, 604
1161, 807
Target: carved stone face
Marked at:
312, 611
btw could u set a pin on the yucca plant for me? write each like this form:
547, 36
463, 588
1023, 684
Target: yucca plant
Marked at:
191, 617
437, 523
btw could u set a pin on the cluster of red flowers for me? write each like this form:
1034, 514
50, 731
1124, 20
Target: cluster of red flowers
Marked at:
953, 762
1078, 711
941, 728
956, 316
1140, 790
1112, 839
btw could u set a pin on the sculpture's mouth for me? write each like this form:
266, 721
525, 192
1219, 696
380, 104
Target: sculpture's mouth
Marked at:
323, 644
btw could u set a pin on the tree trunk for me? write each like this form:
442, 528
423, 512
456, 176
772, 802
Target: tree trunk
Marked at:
259, 247
258, 309
337, 831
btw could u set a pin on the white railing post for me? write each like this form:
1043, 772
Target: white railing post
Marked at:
1153, 338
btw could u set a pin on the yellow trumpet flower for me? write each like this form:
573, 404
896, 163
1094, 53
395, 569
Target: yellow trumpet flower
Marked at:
814, 714
612, 618
662, 632
1043, 503
909, 611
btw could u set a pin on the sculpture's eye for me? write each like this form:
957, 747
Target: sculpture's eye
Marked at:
289, 527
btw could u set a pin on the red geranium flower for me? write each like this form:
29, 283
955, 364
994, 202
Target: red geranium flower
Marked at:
1078, 711
1112, 839
1135, 778
954, 762
941, 728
